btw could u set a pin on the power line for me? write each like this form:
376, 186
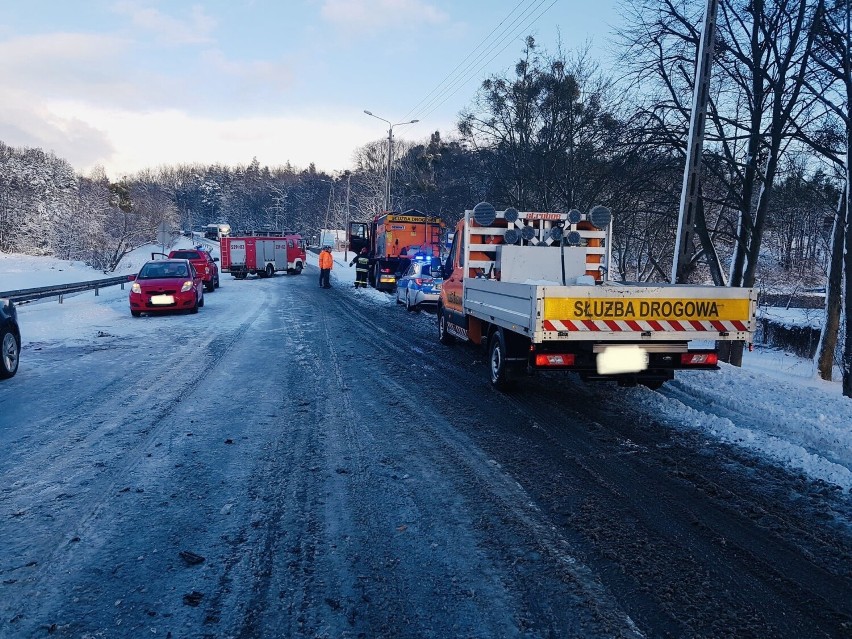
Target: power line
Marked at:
451, 73
454, 86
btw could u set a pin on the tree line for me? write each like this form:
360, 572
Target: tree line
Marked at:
556, 132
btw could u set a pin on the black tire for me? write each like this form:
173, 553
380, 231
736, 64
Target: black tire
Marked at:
270, 270
201, 303
298, 268
498, 368
210, 286
653, 384
136, 313
10, 353
216, 284
443, 336
194, 309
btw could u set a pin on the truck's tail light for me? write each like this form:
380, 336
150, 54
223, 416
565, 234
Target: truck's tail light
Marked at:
554, 359
385, 270
699, 359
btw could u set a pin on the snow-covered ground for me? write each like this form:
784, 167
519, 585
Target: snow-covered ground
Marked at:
775, 405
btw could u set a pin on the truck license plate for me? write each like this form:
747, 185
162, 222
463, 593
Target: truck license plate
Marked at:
622, 359
162, 300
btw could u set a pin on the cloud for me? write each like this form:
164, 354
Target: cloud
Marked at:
61, 62
130, 141
266, 77
25, 124
196, 28
374, 15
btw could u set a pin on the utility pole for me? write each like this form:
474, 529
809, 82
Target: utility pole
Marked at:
695, 145
388, 178
346, 226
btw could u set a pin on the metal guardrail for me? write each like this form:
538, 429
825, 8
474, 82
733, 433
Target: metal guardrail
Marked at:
60, 290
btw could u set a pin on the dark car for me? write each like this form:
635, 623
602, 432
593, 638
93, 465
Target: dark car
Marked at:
420, 285
10, 339
203, 262
166, 285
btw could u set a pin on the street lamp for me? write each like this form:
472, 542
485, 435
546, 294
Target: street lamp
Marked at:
346, 226
390, 154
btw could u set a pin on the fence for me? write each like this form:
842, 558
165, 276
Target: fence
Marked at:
60, 290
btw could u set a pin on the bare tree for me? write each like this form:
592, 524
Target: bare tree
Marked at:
762, 55
831, 83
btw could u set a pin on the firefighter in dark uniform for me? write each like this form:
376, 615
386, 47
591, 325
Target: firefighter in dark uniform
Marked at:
362, 262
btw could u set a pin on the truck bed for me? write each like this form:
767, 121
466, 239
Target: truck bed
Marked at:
614, 312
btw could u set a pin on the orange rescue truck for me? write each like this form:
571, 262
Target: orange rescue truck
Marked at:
393, 238
533, 288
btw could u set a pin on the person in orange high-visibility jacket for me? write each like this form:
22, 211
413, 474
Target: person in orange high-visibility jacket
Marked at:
326, 262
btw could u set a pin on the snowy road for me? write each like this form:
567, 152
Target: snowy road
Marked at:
300, 462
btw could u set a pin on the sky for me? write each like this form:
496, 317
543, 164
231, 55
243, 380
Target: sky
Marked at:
774, 407
135, 84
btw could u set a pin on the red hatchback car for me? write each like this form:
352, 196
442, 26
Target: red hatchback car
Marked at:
203, 262
166, 285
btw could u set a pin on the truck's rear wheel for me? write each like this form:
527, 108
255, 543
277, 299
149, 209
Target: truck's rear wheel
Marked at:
270, 271
497, 364
443, 335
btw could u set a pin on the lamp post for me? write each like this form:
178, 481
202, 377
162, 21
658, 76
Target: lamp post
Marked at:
390, 154
346, 226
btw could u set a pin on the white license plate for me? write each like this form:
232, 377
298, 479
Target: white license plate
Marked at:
622, 359
162, 300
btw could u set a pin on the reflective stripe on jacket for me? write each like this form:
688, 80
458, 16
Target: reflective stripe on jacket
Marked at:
362, 263
325, 260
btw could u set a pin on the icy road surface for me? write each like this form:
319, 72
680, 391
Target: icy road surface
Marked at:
296, 462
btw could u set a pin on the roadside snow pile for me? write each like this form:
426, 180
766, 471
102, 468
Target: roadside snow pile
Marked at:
28, 271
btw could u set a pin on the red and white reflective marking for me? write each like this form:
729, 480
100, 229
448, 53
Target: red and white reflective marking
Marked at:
643, 326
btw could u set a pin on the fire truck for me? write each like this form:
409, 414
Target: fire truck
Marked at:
262, 253
534, 289
393, 238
